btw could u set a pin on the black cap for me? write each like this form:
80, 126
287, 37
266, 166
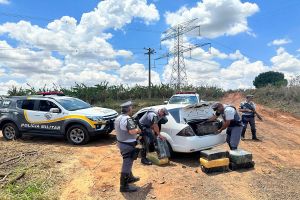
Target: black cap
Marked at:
215, 105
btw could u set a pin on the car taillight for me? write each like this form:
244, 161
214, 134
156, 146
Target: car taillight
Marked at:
186, 132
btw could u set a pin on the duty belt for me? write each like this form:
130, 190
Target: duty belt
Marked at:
128, 143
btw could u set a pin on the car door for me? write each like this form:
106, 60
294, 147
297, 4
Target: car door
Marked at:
50, 122
27, 109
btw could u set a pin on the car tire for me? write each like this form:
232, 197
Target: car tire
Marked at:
78, 135
10, 131
170, 150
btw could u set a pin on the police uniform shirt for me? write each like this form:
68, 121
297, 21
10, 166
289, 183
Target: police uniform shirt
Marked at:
243, 106
229, 113
126, 124
149, 118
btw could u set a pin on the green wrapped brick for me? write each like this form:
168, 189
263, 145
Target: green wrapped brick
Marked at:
249, 165
240, 156
214, 154
214, 169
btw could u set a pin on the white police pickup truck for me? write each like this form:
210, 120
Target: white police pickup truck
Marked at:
184, 98
54, 114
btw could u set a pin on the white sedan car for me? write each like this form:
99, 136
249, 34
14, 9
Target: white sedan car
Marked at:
186, 130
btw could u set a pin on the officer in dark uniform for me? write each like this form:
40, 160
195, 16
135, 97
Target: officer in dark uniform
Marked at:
150, 124
127, 131
248, 116
232, 122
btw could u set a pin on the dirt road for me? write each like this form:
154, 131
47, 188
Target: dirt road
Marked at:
92, 171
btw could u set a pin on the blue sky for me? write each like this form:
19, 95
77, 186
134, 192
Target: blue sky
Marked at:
63, 42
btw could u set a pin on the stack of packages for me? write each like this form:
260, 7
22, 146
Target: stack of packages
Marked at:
240, 159
214, 160
162, 153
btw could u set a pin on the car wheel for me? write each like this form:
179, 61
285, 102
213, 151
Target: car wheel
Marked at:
10, 131
78, 135
170, 150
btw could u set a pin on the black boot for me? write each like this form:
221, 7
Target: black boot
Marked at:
144, 160
254, 136
124, 187
132, 178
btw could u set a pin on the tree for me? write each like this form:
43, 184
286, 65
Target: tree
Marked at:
270, 78
295, 81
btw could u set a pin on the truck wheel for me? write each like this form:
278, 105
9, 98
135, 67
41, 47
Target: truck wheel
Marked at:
78, 135
10, 131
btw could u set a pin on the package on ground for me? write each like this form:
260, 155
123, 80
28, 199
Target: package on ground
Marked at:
217, 165
162, 149
240, 156
214, 154
154, 158
214, 169
248, 165
214, 163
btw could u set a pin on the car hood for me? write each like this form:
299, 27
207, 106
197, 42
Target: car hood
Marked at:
95, 111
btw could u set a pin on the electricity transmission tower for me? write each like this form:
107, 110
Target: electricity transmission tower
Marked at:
178, 75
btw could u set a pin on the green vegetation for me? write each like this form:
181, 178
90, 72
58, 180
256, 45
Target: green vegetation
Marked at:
270, 78
286, 99
103, 93
31, 186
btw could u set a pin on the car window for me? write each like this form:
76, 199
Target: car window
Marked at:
73, 104
45, 105
26, 104
183, 100
175, 114
5, 103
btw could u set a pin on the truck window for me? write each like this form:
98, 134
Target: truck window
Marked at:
26, 104
45, 105
5, 103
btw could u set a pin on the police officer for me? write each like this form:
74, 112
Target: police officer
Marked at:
150, 123
127, 131
232, 122
248, 116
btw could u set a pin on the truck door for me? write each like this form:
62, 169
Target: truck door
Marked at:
50, 122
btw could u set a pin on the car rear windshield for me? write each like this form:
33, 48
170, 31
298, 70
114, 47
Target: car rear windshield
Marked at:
72, 104
183, 100
175, 114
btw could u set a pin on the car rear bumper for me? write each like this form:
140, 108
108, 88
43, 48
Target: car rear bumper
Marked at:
198, 143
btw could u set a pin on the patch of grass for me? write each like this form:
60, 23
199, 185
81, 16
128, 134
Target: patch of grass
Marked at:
286, 99
35, 189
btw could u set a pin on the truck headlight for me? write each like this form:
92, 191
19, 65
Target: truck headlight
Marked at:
95, 118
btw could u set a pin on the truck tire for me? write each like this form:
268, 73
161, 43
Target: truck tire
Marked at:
78, 135
10, 131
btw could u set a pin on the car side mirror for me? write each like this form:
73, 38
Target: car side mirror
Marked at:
54, 110
165, 102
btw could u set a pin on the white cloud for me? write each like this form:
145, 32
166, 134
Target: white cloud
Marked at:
279, 42
286, 63
137, 74
5, 86
216, 17
67, 50
4, 2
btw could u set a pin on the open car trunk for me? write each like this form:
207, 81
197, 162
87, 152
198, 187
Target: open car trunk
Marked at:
196, 117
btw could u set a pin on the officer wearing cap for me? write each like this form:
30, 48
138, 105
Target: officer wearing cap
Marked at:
150, 124
127, 131
248, 116
232, 122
